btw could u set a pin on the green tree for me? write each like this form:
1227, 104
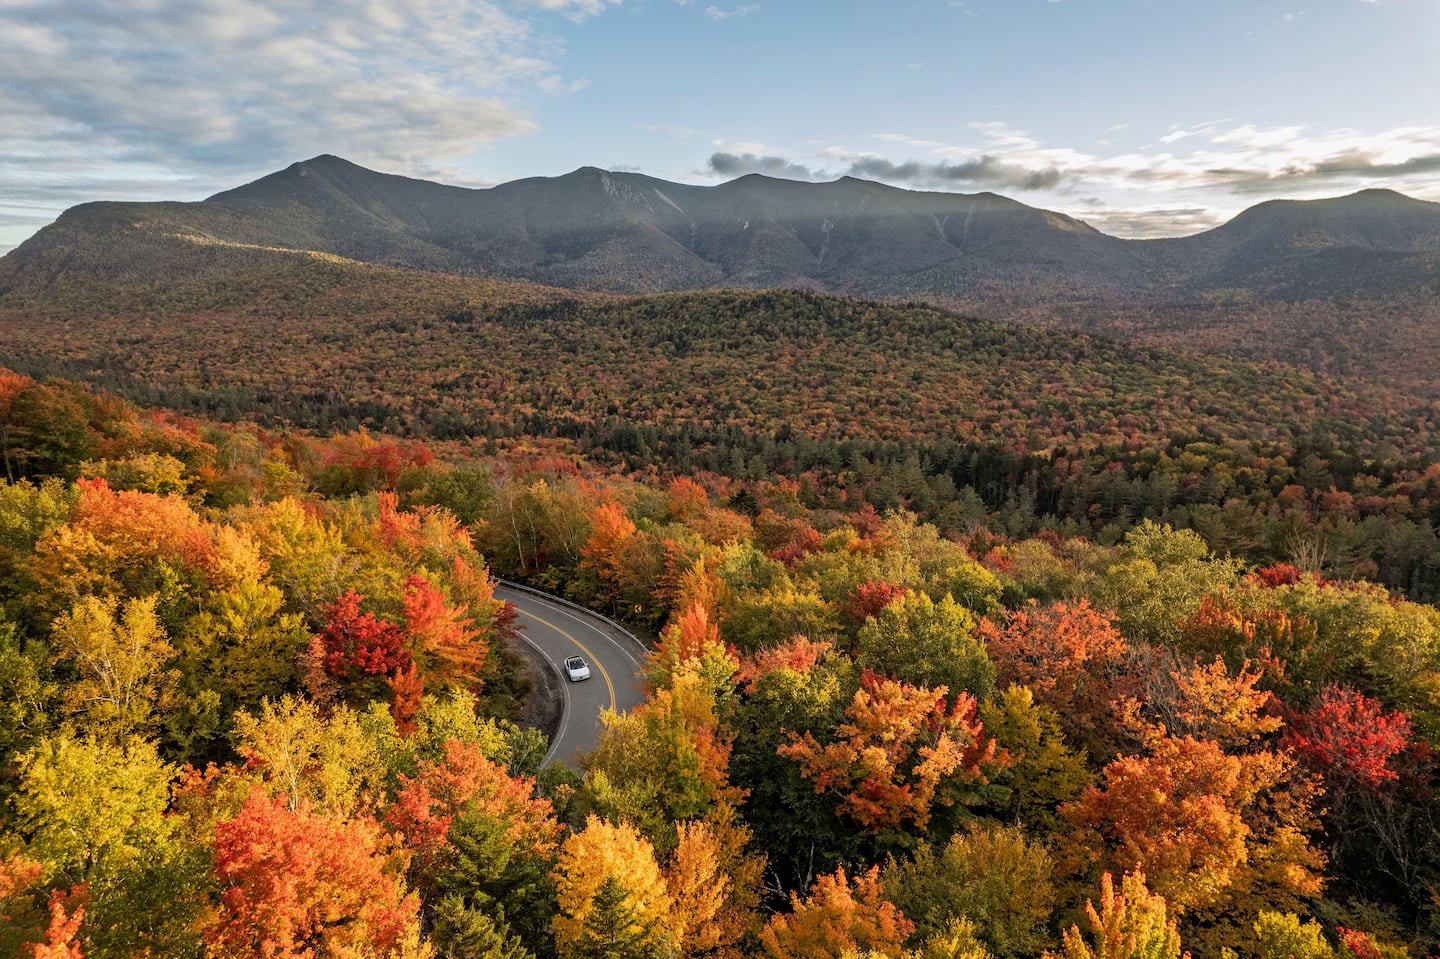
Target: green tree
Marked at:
990, 876
1044, 771
919, 641
94, 813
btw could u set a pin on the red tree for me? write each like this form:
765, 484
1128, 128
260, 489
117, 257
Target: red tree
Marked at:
1071, 657
1349, 738
300, 885
868, 599
441, 636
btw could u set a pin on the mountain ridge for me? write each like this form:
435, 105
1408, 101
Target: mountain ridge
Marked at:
1348, 285
623, 232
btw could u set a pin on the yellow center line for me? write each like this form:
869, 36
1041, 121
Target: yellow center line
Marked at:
609, 686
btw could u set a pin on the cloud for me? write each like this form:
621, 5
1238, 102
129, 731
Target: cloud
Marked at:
983, 171
95, 90
1190, 178
1351, 165
671, 130
986, 171
715, 13
1149, 224
574, 9
740, 164
1247, 159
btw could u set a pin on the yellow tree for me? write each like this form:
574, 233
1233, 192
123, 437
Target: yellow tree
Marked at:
1130, 924
610, 891
698, 888
121, 660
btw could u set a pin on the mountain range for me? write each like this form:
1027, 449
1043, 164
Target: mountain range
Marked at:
629, 233
1348, 286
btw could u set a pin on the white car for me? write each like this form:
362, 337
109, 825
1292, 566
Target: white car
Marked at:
577, 669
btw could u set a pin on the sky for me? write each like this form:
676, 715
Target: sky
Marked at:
1156, 118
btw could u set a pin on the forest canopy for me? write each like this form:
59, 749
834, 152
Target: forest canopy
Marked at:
257, 699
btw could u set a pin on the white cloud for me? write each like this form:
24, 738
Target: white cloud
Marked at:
118, 90
1194, 179
715, 13
574, 9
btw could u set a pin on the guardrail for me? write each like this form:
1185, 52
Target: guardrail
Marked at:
640, 644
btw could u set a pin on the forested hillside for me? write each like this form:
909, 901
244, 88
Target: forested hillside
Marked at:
256, 701
971, 424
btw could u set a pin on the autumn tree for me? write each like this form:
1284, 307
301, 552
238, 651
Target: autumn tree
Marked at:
699, 889
295, 882
1175, 696
1174, 814
611, 534
30, 931
901, 751
330, 763
839, 915
868, 599
1207, 825
1130, 924
1349, 739
1380, 782
94, 816
610, 891
122, 656
665, 762
443, 640
1071, 657
118, 544
691, 642
990, 876
467, 785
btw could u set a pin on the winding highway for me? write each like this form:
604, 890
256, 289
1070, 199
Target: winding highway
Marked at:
555, 630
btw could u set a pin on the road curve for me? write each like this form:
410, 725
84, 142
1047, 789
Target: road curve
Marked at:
556, 630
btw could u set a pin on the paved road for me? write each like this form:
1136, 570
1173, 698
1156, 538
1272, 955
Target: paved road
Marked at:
557, 631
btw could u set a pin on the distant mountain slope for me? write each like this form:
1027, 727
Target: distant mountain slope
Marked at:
625, 232
329, 344
1348, 285
1372, 241
620, 232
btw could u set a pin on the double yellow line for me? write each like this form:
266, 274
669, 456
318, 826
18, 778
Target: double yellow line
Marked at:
609, 686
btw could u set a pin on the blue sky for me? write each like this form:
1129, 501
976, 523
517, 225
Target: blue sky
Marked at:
1142, 118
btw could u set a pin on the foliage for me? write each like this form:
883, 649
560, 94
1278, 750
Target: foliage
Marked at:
839, 914
916, 640
295, 882
611, 894
1128, 925
902, 750
1072, 659
991, 877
